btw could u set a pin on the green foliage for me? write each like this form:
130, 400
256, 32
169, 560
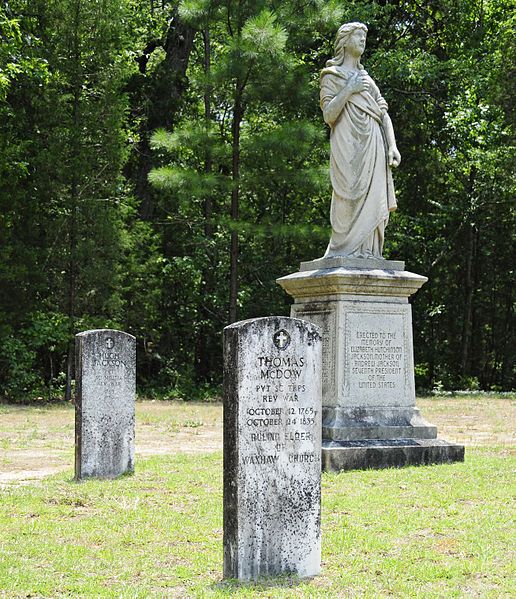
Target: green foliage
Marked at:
36, 347
16, 368
195, 11
62, 189
262, 37
84, 242
18, 54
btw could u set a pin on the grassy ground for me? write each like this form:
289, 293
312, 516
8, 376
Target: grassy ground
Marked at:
441, 531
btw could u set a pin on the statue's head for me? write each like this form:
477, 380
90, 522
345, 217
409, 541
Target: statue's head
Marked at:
342, 39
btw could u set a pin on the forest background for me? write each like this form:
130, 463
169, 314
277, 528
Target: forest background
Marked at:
162, 163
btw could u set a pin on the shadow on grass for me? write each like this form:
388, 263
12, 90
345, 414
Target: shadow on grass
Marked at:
129, 474
229, 585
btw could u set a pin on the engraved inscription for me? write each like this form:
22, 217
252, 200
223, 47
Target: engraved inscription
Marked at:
279, 418
375, 356
107, 359
377, 359
285, 367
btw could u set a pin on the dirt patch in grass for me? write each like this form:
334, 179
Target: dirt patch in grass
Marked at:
39, 441
472, 420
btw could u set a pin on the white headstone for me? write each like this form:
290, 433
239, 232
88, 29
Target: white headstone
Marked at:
105, 403
272, 448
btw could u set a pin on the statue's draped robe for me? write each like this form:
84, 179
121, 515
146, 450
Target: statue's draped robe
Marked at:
363, 191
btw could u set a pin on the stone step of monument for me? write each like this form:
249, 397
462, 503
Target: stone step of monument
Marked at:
362, 454
379, 432
324, 283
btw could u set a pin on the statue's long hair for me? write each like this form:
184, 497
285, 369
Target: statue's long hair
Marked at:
341, 40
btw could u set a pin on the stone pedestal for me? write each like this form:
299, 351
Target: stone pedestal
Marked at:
370, 419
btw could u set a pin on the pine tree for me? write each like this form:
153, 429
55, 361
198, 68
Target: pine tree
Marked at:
236, 149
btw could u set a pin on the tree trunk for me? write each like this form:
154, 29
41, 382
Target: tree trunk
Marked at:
238, 113
508, 350
208, 202
163, 97
467, 322
72, 275
74, 196
203, 351
468, 304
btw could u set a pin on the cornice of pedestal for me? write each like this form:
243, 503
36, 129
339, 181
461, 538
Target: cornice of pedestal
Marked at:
350, 280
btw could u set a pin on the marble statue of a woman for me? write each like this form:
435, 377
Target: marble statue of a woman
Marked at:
363, 150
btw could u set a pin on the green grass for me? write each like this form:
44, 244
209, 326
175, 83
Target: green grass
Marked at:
441, 531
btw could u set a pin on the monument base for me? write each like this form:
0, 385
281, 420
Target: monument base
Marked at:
370, 418
388, 453
349, 424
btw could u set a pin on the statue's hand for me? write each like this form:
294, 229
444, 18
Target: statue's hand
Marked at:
394, 156
384, 107
358, 83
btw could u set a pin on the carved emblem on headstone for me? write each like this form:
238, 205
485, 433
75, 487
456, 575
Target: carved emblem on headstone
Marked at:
110, 343
281, 339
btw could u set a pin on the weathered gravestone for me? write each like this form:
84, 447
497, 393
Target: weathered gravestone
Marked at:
272, 448
105, 403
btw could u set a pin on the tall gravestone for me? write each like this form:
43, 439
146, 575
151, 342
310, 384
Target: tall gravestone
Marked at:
359, 299
105, 403
272, 448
